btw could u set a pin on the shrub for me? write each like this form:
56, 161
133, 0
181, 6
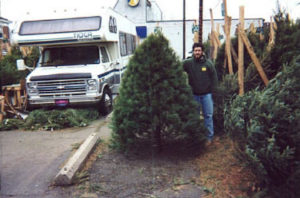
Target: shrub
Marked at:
59, 119
227, 89
52, 119
11, 124
266, 125
155, 105
8, 68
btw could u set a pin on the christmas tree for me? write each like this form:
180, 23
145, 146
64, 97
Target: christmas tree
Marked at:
155, 105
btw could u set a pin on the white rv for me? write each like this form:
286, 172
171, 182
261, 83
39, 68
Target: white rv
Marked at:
82, 58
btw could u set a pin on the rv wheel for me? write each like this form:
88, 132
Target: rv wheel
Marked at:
106, 102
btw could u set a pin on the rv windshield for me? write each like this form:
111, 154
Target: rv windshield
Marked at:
80, 55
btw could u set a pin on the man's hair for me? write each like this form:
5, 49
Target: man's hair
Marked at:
198, 45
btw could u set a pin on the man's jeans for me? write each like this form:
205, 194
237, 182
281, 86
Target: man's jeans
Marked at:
206, 103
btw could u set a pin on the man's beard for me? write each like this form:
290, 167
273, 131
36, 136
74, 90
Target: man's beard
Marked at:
198, 57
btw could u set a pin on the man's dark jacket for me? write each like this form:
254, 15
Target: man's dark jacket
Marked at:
202, 75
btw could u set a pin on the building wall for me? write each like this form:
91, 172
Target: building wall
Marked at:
154, 13
151, 17
147, 10
173, 31
136, 14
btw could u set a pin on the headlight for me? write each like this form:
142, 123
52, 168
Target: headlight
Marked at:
91, 82
32, 85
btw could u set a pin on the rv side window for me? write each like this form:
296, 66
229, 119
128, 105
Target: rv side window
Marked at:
127, 43
122, 44
104, 55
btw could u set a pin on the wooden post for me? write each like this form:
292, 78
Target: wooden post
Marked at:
234, 55
261, 36
227, 34
241, 54
253, 57
225, 61
215, 40
252, 29
212, 20
217, 34
2, 103
218, 30
272, 36
216, 37
212, 45
196, 35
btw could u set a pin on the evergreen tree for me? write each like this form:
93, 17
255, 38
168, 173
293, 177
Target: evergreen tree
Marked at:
287, 43
266, 126
8, 69
155, 105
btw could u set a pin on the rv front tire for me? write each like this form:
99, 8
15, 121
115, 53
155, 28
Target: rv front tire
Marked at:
106, 102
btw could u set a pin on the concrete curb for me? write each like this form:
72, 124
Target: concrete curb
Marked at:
67, 173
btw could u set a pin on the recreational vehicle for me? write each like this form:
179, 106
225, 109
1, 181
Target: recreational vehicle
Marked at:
82, 59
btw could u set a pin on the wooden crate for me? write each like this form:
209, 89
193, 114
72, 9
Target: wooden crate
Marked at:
14, 94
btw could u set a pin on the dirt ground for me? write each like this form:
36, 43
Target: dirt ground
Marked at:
214, 172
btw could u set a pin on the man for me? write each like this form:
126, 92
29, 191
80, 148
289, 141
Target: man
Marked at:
203, 81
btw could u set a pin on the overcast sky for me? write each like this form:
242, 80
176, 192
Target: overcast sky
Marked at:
172, 9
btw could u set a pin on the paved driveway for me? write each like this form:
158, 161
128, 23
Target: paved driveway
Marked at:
29, 161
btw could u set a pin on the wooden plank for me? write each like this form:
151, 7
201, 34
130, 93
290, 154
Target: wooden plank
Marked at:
253, 56
241, 54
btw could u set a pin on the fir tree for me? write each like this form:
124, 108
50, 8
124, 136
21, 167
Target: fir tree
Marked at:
266, 126
287, 43
155, 105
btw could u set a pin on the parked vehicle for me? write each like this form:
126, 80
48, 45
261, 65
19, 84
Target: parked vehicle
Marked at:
82, 58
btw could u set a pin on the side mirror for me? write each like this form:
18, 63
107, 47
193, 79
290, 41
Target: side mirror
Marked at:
21, 65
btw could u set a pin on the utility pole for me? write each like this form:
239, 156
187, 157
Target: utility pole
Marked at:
200, 20
183, 51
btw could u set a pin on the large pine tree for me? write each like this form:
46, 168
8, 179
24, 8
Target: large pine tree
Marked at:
155, 105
